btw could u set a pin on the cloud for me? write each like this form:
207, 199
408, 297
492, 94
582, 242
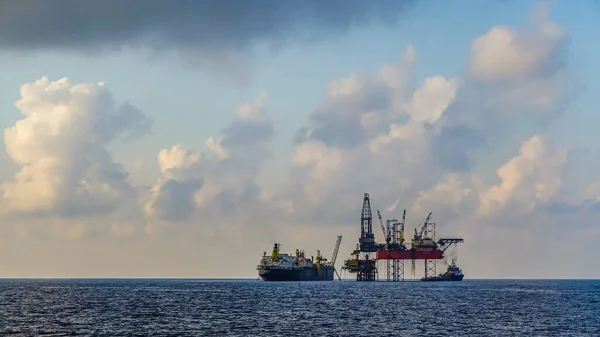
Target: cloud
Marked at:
528, 66
517, 83
429, 102
60, 146
203, 25
504, 53
218, 36
173, 194
371, 133
357, 107
473, 150
534, 176
454, 193
219, 183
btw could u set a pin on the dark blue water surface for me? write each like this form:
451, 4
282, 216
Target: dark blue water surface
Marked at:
256, 308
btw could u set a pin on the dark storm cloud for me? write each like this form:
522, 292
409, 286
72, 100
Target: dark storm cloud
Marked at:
205, 24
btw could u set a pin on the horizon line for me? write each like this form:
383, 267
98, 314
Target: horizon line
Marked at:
259, 280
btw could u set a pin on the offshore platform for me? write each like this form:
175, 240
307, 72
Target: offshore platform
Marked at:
395, 251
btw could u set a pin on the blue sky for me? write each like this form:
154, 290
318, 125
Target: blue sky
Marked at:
190, 103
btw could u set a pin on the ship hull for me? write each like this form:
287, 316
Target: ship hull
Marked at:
296, 274
443, 278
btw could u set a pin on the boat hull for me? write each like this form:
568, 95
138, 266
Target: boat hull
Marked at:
444, 278
296, 274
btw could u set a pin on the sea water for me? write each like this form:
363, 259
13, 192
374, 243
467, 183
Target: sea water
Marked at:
110, 307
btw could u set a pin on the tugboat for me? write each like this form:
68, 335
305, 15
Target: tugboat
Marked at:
453, 273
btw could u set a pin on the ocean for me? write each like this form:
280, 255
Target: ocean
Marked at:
159, 307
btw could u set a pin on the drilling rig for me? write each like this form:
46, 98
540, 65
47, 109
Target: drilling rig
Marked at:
363, 263
423, 247
395, 250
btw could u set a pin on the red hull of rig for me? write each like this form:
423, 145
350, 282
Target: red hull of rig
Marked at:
395, 251
409, 254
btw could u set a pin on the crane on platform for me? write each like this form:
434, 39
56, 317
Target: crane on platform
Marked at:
401, 228
424, 233
446, 243
425, 240
397, 232
335, 254
386, 234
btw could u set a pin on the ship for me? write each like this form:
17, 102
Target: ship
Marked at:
453, 273
285, 267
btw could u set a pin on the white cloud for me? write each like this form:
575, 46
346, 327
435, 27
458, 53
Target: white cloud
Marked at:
321, 163
60, 145
534, 176
507, 54
377, 136
215, 146
429, 102
456, 193
398, 76
358, 107
171, 197
345, 86
177, 161
253, 110
192, 183
523, 73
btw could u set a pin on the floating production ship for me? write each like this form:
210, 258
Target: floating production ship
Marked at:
285, 267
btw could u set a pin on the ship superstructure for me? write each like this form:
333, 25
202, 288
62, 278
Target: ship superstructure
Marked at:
285, 267
453, 273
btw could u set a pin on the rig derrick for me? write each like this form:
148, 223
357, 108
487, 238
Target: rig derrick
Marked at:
363, 263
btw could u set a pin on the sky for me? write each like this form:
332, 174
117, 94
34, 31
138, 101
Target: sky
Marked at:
155, 140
